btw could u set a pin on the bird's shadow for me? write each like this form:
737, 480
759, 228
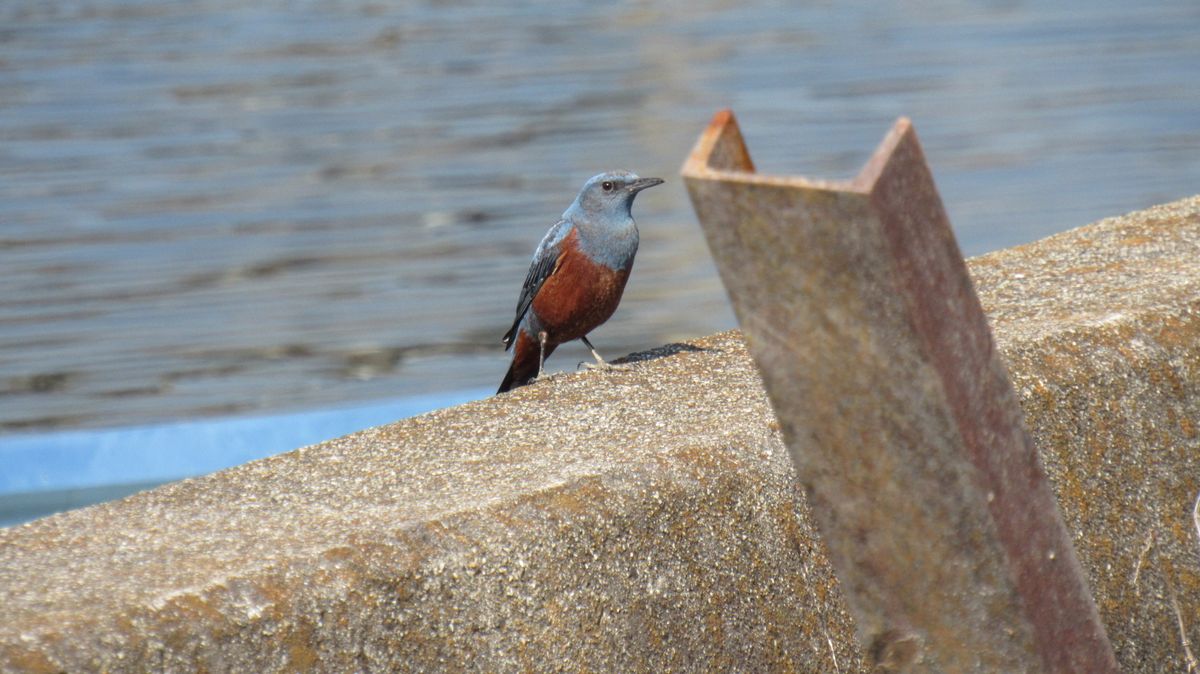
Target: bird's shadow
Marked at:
660, 352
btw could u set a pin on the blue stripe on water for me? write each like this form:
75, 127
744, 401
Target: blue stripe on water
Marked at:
47, 472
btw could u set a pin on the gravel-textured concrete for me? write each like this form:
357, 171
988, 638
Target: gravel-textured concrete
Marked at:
1101, 329
643, 519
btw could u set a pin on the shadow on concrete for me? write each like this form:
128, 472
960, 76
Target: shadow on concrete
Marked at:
660, 352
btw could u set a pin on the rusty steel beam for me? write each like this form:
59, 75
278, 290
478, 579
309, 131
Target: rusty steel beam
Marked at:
898, 412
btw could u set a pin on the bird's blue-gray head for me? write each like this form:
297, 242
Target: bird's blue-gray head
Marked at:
608, 195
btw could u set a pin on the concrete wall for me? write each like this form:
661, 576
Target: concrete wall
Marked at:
644, 519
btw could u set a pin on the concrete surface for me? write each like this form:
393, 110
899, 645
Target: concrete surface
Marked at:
1101, 329
643, 519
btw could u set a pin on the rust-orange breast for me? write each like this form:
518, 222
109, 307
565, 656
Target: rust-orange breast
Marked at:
579, 295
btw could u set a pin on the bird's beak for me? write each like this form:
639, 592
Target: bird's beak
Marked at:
642, 183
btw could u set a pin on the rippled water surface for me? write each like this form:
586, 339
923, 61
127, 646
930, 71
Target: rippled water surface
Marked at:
219, 206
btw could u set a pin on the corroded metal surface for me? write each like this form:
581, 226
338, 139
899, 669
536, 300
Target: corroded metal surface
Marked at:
898, 412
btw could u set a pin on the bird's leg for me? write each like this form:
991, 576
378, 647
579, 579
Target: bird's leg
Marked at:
600, 362
541, 353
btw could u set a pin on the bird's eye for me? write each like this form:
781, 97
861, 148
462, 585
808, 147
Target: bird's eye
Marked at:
607, 185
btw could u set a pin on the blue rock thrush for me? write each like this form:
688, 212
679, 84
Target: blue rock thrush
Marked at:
577, 275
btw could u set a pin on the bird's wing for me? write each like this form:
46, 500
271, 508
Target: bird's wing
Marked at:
545, 261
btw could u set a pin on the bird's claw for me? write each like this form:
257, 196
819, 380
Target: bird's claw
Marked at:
602, 365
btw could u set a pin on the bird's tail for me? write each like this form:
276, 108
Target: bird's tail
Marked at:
524, 367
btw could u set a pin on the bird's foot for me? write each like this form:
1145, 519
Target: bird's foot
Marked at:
600, 363
545, 376
603, 365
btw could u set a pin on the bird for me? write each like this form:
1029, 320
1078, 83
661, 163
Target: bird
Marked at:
577, 274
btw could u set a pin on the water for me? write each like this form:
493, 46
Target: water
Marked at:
218, 206
48, 472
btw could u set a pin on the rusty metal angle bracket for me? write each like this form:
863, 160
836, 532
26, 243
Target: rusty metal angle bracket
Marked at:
898, 412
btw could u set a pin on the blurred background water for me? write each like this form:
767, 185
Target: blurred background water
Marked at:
215, 207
